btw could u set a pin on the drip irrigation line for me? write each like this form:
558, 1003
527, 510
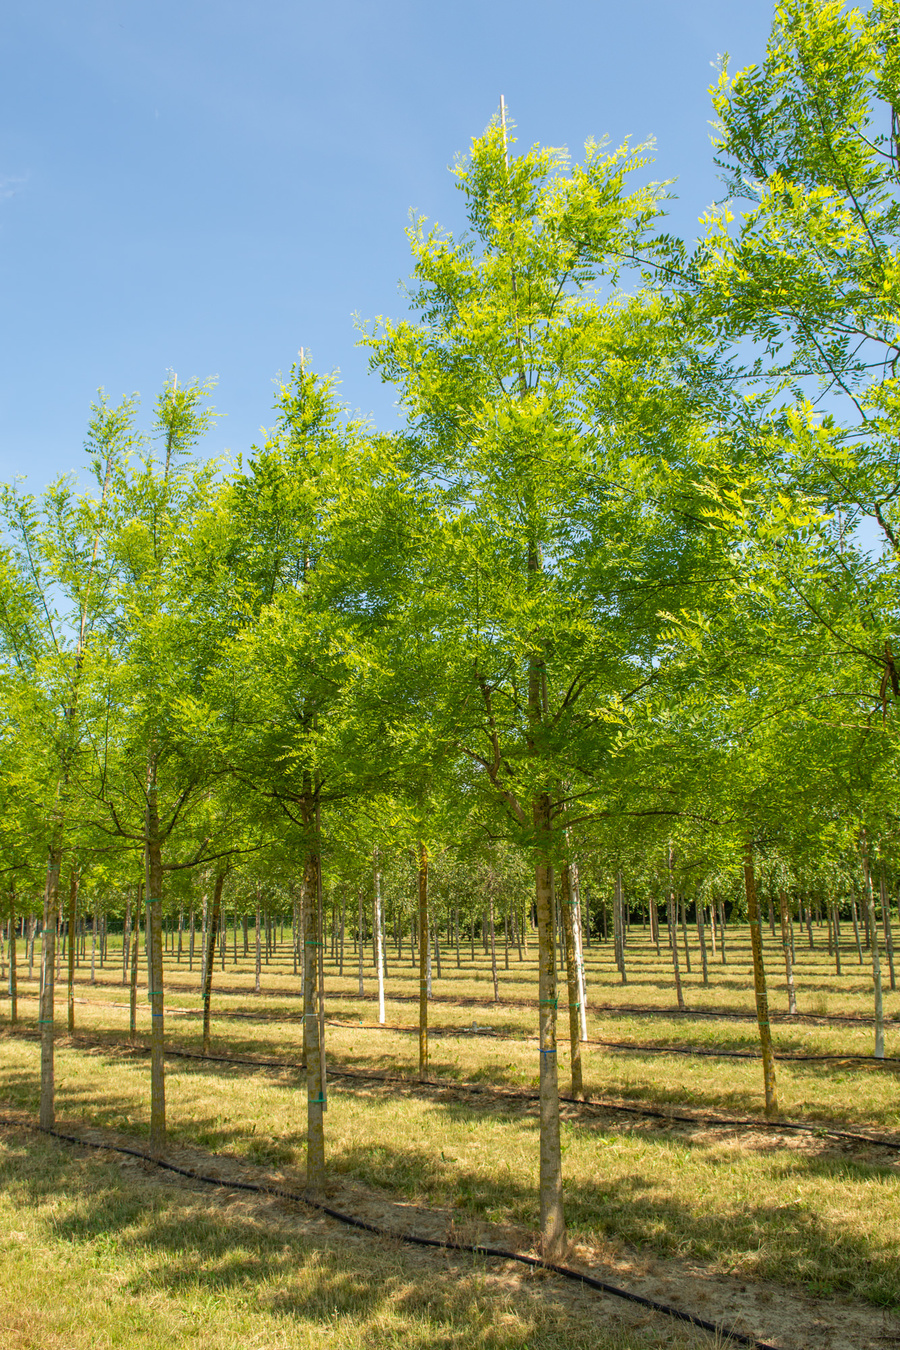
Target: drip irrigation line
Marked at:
596, 1104
588, 1103
792, 1056
470, 1001
490, 1034
413, 1239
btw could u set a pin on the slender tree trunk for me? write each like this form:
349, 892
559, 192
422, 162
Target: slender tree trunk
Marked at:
343, 931
360, 939
493, 952
759, 985
379, 939
619, 925
73, 909
48, 973
681, 906
855, 917
786, 945
13, 986
126, 939
423, 960
135, 957
671, 920
722, 931
701, 936
154, 879
876, 958
258, 939
886, 921
553, 1227
210, 957
564, 892
315, 1078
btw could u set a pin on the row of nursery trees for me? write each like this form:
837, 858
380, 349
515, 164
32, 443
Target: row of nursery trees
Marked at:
624, 585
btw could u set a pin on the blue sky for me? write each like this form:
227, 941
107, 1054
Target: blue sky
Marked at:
208, 185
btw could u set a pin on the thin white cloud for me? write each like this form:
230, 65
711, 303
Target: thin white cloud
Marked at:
10, 187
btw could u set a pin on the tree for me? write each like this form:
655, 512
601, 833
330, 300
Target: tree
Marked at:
555, 423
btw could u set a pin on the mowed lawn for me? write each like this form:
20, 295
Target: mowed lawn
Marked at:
806, 1211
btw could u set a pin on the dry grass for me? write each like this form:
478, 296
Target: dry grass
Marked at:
800, 1211
102, 1254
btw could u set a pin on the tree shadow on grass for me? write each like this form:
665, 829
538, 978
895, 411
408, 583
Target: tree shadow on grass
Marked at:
793, 1242
186, 1242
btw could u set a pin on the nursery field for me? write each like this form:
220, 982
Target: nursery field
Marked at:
675, 1187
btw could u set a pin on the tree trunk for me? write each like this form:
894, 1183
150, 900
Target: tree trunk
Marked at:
568, 923
126, 939
876, 958
154, 879
493, 952
70, 922
786, 945
855, 917
759, 986
553, 1226
701, 937
211, 956
671, 921
258, 936
48, 976
135, 959
619, 925
423, 961
888, 934
310, 908
379, 939
13, 986
722, 931
681, 907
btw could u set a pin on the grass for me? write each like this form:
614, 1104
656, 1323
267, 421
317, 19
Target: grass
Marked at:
94, 1254
800, 1212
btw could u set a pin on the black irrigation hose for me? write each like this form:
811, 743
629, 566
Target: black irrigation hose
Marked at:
489, 1033
740, 1054
592, 1103
599, 1009
534, 1262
